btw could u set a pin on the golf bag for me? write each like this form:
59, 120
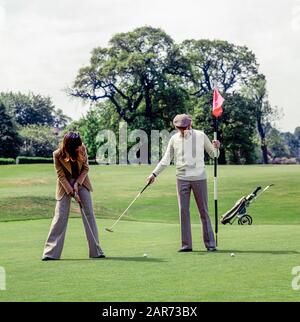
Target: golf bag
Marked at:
239, 210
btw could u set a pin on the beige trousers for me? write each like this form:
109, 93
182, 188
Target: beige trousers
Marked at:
199, 188
55, 241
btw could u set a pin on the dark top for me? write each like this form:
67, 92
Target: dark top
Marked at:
75, 170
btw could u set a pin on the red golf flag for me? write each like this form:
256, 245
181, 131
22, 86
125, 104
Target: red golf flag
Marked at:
217, 103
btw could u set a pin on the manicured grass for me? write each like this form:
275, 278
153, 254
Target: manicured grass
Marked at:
260, 270
265, 252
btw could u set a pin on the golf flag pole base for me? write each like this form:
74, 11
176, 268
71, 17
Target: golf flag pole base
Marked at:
216, 209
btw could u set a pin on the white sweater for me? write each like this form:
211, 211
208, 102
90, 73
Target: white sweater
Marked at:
188, 154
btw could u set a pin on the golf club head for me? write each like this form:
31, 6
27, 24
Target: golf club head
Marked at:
110, 230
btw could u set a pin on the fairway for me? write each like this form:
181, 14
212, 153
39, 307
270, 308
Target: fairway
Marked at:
261, 269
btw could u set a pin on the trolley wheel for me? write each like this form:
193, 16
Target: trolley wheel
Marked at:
245, 220
250, 219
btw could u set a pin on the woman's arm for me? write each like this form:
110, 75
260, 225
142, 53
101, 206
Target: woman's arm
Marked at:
61, 175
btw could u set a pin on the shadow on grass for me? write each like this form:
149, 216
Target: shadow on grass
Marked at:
126, 259
271, 252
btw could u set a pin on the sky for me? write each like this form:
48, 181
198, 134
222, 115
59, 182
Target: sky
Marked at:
43, 43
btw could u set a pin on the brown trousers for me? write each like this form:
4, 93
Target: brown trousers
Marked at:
55, 241
199, 188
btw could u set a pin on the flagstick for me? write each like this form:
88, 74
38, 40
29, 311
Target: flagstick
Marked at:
216, 181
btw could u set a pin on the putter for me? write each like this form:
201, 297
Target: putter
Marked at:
90, 228
138, 195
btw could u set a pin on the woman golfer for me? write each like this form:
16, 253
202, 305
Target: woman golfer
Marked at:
71, 164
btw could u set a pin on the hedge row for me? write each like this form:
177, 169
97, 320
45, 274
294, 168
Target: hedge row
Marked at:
4, 161
30, 160
93, 162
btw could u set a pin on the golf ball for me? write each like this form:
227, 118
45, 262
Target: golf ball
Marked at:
145, 255
232, 254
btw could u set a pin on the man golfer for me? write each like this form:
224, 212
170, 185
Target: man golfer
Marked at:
187, 148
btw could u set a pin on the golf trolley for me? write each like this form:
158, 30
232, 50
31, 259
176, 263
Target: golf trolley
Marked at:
239, 210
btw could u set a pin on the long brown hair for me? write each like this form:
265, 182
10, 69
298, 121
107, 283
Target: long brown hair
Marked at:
69, 148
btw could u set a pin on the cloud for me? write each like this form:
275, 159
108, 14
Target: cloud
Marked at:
295, 23
2, 17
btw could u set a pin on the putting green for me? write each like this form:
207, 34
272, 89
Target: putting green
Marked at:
259, 271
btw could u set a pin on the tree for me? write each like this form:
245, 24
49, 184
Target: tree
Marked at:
264, 113
101, 116
276, 142
60, 119
297, 136
139, 73
38, 140
9, 139
292, 142
147, 79
297, 133
217, 62
29, 109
